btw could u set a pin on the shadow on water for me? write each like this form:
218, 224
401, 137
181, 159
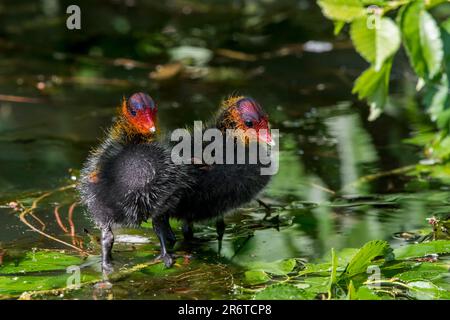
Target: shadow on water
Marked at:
59, 90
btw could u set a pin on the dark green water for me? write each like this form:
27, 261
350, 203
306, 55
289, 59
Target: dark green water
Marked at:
74, 80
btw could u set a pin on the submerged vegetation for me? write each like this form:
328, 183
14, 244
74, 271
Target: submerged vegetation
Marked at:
359, 209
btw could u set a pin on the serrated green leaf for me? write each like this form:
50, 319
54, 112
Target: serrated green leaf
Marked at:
342, 10
365, 255
432, 3
15, 285
338, 26
365, 293
420, 275
374, 86
437, 100
375, 43
334, 265
446, 25
314, 285
426, 290
422, 249
310, 268
433, 48
40, 261
279, 267
422, 39
253, 277
351, 291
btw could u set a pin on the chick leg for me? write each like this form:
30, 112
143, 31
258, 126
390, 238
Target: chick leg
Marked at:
171, 238
220, 228
188, 230
107, 244
162, 231
266, 207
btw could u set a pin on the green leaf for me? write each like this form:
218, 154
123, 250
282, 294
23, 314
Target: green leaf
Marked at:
422, 39
441, 150
425, 290
310, 268
342, 10
344, 256
365, 255
422, 249
279, 267
433, 48
433, 3
40, 261
338, 26
446, 25
159, 269
334, 265
437, 101
421, 139
420, 275
253, 277
375, 44
364, 293
314, 285
281, 291
15, 285
374, 86
437, 90
351, 291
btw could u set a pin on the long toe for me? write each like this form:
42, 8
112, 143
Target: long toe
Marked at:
167, 259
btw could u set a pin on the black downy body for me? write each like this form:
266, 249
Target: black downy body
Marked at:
219, 188
127, 180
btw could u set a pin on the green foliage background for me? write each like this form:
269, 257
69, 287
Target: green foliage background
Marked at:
378, 29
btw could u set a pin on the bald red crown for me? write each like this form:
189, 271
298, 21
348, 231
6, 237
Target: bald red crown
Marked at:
140, 111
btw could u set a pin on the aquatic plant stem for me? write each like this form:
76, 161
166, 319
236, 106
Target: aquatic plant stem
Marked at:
372, 177
30, 210
59, 221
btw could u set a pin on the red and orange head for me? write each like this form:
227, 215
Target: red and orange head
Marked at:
140, 114
244, 113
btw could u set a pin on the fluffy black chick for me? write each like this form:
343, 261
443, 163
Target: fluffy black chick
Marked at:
220, 188
130, 178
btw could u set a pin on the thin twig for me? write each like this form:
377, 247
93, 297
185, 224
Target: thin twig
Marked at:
312, 184
38, 220
11, 98
372, 177
58, 220
72, 225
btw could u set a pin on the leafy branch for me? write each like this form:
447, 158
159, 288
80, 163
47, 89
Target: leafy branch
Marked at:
378, 28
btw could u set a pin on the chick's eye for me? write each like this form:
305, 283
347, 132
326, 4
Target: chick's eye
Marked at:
133, 112
248, 123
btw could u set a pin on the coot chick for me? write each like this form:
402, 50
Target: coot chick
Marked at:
220, 188
130, 178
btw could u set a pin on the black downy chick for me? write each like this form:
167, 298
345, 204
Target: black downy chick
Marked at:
130, 178
220, 188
